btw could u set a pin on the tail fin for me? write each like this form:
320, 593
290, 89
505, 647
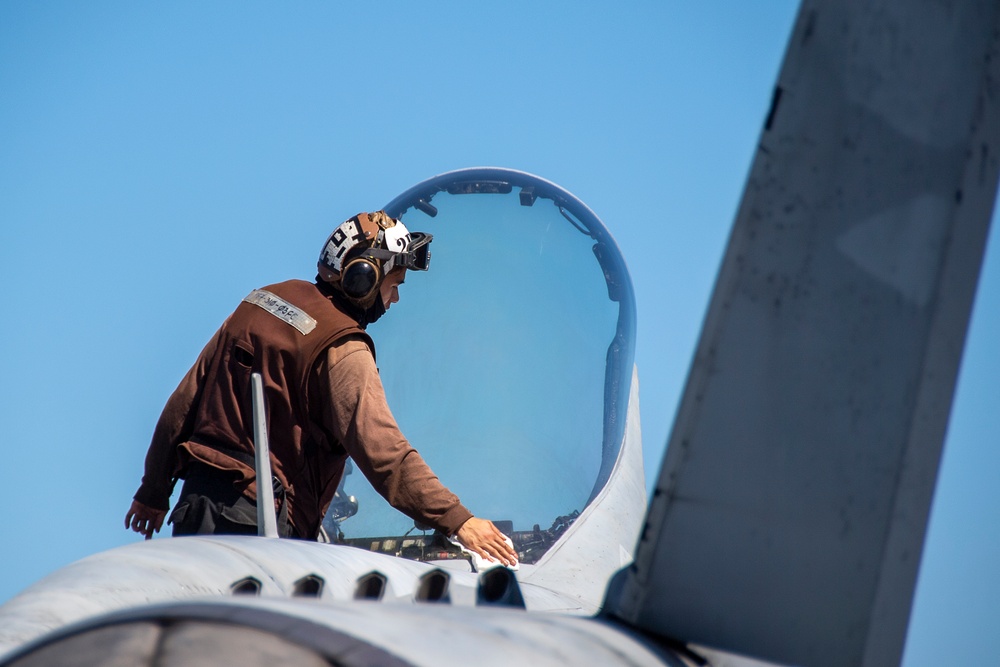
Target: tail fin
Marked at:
790, 512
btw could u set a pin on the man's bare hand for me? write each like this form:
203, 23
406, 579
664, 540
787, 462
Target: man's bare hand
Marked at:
144, 519
482, 537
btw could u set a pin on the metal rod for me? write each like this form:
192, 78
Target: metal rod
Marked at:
267, 522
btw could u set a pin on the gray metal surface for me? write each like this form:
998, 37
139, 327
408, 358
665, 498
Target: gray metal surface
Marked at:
350, 634
180, 644
789, 515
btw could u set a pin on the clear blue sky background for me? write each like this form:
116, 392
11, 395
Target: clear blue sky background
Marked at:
159, 160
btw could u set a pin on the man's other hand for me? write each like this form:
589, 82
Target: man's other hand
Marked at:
482, 537
144, 519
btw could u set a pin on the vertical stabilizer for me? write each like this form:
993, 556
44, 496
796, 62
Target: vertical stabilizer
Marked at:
789, 515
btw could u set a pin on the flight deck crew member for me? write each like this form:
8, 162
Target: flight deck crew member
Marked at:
324, 398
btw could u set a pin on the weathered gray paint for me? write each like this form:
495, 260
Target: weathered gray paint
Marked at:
790, 512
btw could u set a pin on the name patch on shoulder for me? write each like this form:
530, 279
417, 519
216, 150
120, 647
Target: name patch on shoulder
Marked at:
281, 309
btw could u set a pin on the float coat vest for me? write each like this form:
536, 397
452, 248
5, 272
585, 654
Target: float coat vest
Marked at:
278, 331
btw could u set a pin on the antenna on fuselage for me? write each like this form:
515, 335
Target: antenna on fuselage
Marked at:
267, 521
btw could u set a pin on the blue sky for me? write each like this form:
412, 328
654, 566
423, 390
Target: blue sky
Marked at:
158, 161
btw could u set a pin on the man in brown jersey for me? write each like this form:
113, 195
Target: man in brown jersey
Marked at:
325, 403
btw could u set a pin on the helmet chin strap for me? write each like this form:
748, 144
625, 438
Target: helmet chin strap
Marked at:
375, 311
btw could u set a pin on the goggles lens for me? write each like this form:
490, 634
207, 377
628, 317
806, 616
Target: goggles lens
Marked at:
418, 252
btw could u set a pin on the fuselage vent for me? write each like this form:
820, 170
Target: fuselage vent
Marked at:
370, 587
433, 587
246, 586
309, 586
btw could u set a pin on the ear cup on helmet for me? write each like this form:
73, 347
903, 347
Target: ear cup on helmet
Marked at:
360, 278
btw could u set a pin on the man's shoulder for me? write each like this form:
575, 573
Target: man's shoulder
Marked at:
351, 344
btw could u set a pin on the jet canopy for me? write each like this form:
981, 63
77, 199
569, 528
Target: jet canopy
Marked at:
507, 365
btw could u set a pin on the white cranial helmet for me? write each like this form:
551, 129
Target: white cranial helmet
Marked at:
365, 248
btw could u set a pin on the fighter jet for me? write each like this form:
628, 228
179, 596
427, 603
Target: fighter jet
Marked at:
789, 513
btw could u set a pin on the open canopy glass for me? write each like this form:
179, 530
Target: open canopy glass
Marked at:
507, 364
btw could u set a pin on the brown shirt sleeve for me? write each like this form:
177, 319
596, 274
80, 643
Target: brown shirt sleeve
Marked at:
173, 428
360, 419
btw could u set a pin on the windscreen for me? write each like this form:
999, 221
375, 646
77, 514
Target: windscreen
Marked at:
495, 363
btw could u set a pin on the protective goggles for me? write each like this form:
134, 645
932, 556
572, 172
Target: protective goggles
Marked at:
416, 256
